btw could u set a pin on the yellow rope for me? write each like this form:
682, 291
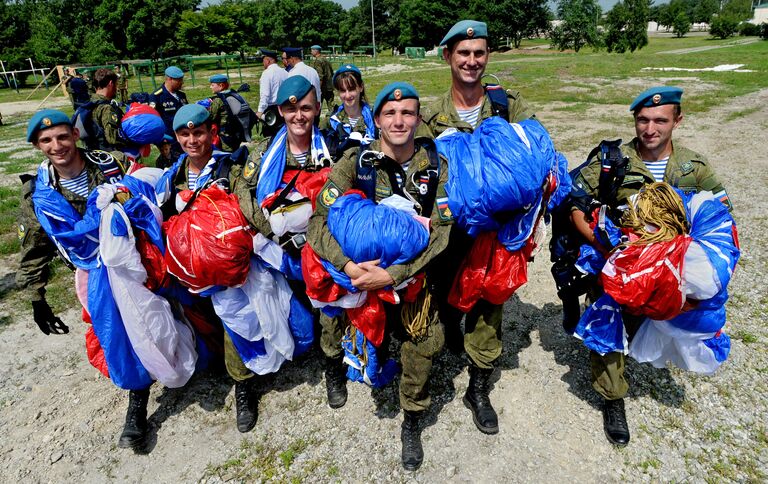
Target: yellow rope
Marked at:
223, 222
417, 315
657, 206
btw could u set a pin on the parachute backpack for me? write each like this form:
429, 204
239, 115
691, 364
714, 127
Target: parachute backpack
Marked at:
240, 110
91, 134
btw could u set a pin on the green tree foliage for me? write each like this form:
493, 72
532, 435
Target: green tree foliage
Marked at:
681, 25
579, 25
738, 9
626, 26
723, 26
511, 19
704, 9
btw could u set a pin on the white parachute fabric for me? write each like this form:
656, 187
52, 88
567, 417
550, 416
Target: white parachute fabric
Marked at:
658, 342
258, 311
165, 346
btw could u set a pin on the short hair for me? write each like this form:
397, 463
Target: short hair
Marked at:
350, 80
102, 77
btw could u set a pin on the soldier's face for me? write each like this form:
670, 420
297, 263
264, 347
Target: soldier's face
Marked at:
217, 87
196, 142
300, 117
175, 84
654, 126
467, 60
350, 96
59, 144
397, 121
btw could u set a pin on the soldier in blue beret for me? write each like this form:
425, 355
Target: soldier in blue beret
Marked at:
65, 179
99, 119
400, 164
322, 65
293, 56
351, 123
269, 83
168, 100
231, 113
650, 157
463, 107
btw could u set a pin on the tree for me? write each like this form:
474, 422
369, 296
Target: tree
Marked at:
704, 9
627, 24
681, 24
723, 26
512, 19
738, 10
579, 25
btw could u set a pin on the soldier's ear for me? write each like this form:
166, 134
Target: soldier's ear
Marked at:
446, 55
75, 134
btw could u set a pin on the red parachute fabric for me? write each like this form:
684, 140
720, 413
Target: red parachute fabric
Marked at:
210, 243
207, 324
93, 348
489, 272
320, 285
153, 261
647, 278
309, 184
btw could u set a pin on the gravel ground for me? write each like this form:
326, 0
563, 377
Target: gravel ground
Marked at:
60, 419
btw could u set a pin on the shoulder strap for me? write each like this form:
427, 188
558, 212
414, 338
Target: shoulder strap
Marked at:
109, 166
613, 168
366, 171
427, 199
498, 98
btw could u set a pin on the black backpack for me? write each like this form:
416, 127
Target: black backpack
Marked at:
238, 109
91, 134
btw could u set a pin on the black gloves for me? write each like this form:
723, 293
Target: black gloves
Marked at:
46, 320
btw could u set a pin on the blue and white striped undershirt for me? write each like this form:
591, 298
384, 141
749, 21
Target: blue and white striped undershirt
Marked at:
78, 184
657, 168
399, 177
192, 179
301, 158
470, 115
353, 121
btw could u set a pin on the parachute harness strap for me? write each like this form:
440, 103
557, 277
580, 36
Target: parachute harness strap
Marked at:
417, 315
658, 214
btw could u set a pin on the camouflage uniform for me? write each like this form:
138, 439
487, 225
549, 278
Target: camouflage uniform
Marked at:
122, 87
685, 170
482, 327
324, 69
37, 250
416, 355
343, 117
220, 117
107, 116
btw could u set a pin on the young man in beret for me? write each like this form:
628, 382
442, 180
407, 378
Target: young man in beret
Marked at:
463, 107
420, 176
199, 164
231, 113
324, 69
650, 157
102, 131
74, 173
299, 68
168, 100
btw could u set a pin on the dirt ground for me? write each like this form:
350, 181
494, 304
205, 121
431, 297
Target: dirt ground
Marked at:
60, 419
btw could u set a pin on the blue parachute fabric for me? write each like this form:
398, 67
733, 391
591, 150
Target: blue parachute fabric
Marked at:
248, 350
564, 183
142, 218
720, 345
590, 260
302, 326
125, 368
515, 233
332, 311
291, 267
707, 317
205, 102
143, 129
496, 170
601, 327
118, 227
367, 231
211, 291
339, 277
204, 355
76, 235
373, 373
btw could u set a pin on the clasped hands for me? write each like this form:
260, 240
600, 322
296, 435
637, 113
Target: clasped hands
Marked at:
368, 276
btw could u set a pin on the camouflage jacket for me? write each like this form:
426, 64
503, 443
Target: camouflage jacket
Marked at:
324, 69
107, 116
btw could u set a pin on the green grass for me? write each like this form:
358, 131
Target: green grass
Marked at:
742, 113
9, 214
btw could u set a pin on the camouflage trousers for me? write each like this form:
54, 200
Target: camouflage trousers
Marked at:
608, 370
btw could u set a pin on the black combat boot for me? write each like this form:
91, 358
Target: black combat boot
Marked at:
615, 422
336, 382
410, 437
477, 400
246, 405
135, 429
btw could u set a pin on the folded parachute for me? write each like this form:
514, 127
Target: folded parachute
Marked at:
143, 125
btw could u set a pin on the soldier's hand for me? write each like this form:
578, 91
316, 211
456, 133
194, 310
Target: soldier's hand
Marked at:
46, 320
374, 277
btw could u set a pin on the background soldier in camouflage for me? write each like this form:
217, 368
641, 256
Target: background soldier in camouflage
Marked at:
324, 69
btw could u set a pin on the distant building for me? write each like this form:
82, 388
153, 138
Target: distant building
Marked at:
760, 9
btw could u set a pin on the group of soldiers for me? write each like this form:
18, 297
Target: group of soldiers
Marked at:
404, 157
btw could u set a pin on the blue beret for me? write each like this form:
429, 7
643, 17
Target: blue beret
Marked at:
347, 68
218, 78
47, 118
190, 116
168, 139
316, 47
466, 29
174, 72
293, 51
293, 90
269, 53
394, 91
656, 96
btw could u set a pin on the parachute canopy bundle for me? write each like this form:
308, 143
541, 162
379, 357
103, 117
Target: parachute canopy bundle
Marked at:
679, 285
143, 125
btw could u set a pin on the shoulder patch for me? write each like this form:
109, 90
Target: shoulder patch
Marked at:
443, 211
21, 231
329, 194
113, 118
249, 170
686, 167
158, 92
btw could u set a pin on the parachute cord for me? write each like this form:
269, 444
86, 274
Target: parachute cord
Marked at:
658, 206
416, 315
223, 222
